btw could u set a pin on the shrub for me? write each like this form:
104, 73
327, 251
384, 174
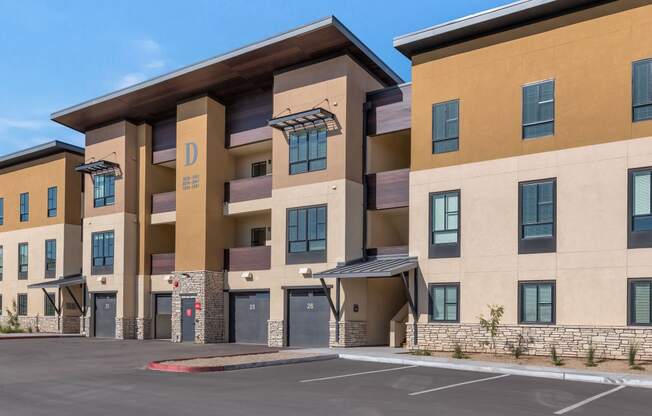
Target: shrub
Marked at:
520, 348
631, 356
424, 353
590, 356
491, 325
556, 359
12, 321
458, 353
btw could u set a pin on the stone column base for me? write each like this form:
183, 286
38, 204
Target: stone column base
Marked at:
352, 334
125, 328
85, 326
276, 333
143, 328
69, 324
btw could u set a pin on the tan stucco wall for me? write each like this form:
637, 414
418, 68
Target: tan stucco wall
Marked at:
590, 61
592, 262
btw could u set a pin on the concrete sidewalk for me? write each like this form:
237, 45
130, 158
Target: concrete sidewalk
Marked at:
32, 335
401, 356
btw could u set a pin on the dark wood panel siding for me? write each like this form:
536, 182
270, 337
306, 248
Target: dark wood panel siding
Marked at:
388, 189
162, 263
248, 258
164, 202
386, 251
247, 189
164, 141
389, 110
246, 119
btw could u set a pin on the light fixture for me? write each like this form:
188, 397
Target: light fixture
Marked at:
305, 271
247, 276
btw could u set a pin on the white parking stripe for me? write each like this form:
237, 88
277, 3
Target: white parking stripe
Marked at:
358, 374
589, 400
458, 385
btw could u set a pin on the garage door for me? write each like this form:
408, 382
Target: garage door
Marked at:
248, 316
308, 317
163, 321
104, 315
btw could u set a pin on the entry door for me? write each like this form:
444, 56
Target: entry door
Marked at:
188, 319
163, 321
248, 316
105, 305
308, 318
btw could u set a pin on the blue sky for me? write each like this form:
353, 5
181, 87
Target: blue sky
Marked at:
54, 54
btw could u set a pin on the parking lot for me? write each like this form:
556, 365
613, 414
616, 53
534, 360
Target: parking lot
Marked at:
106, 377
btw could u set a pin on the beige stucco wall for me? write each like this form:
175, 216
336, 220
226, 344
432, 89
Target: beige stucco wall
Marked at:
592, 262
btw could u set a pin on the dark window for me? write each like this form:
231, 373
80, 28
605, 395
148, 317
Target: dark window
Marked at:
445, 127
102, 253
537, 214
642, 90
22, 304
258, 237
640, 302
50, 258
258, 169
539, 109
104, 190
2, 211
0, 305
444, 224
49, 304
2, 261
306, 234
52, 201
445, 302
640, 208
307, 151
537, 302
23, 260
24, 207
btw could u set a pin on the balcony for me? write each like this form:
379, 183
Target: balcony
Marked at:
162, 263
248, 258
248, 189
164, 207
388, 190
389, 110
387, 251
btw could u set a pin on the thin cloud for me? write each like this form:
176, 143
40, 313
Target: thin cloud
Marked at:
15, 123
148, 54
130, 79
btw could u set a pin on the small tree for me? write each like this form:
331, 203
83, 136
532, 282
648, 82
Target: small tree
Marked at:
12, 314
491, 325
590, 355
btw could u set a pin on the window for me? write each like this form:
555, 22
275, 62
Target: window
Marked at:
537, 212
258, 169
307, 151
50, 258
537, 302
104, 190
306, 233
52, 201
102, 253
22, 304
48, 307
539, 109
445, 127
445, 302
640, 302
2, 211
444, 224
2, 262
258, 237
642, 90
640, 208
24, 207
23, 260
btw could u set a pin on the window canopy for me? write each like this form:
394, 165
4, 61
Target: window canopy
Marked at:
303, 120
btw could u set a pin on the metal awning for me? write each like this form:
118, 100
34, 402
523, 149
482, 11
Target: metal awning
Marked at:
98, 167
76, 279
303, 120
374, 267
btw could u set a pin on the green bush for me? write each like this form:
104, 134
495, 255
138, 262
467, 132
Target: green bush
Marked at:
590, 356
556, 359
458, 353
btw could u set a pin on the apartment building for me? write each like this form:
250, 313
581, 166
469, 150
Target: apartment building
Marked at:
40, 237
295, 192
529, 181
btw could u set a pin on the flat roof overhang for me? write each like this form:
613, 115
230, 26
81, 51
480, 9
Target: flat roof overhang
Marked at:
490, 21
372, 268
38, 152
247, 69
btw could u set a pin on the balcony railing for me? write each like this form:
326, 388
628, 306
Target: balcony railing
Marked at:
248, 189
248, 258
162, 263
164, 202
388, 189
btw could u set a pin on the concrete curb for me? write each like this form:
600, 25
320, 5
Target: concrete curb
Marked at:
526, 371
23, 336
180, 368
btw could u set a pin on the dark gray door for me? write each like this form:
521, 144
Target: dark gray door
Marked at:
308, 317
248, 316
104, 315
163, 320
188, 319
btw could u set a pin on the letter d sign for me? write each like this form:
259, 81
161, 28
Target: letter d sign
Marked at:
191, 153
